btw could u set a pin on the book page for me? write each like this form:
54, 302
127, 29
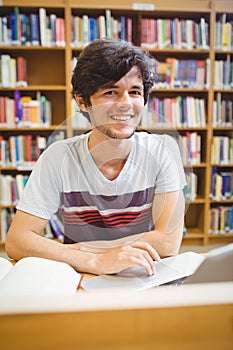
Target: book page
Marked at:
34, 276
5, 266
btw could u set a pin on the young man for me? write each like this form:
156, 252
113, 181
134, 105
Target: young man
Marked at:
119, 191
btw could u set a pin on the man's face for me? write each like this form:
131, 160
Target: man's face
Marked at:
116, 110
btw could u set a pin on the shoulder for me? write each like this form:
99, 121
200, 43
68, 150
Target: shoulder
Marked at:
61, 147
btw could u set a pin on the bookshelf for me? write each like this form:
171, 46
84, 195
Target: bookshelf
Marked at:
49, 74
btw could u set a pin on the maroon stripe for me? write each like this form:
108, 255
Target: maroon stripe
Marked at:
77, 218
103, 202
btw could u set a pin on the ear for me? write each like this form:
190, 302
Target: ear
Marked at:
80, 102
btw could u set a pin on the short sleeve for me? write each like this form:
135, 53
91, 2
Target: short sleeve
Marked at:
171, 176
41, 196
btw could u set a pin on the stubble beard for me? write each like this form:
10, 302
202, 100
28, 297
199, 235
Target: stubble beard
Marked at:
114, 135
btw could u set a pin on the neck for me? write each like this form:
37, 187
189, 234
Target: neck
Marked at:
109, 154
106, 149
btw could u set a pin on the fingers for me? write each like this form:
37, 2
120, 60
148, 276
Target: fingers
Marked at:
145, 255
141, 254
143, 245
148, 266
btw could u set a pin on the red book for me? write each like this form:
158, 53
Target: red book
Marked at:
129, 29
2, 110
13, 192
21, 71
28, 148
60, 31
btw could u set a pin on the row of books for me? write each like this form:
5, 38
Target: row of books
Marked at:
11, 188
85, 29
174, 33
222, 150
45, 29
21, 151
176, 112
32, 30
221, 220
13, 71
53, 229
224, 33
222, 114
176, 73
223, 74
190, 148
221, 184
24, 111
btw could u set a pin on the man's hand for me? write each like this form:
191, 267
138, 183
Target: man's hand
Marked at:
116, 259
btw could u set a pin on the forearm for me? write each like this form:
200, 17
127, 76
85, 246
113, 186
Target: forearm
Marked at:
112, 261
28, 243
168, 216
166, 244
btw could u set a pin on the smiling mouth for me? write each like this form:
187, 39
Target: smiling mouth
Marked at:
122, 118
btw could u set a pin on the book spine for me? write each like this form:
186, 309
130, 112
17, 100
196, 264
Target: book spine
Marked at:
56, 229
34, 29
108, 23
43, 26
21, 65
52, 19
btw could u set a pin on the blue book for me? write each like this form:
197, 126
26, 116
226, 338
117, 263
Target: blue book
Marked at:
191, 74
185, 231
13, 29
23, 20
180, 74
25, 180
56, 231
123, 28
173, 34
18, 108
92, 29
34, 29
231, 220
184, 112
28, 31
213, 182
17, 155
226, 184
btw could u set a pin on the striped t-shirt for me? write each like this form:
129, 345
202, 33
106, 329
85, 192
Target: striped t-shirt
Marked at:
66, 178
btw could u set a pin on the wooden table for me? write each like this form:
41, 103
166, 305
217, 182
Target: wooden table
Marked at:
190, 317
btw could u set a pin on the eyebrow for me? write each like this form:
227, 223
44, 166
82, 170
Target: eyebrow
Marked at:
137, 86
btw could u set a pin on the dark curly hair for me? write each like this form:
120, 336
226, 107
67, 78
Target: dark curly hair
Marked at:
106, 61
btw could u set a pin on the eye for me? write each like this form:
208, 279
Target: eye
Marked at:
110, 93
136, 92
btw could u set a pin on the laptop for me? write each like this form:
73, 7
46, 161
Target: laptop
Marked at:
183, 268
217, 267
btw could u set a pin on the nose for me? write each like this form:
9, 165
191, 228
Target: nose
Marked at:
124, 102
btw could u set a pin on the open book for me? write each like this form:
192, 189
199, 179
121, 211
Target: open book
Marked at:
34, 276
167, 270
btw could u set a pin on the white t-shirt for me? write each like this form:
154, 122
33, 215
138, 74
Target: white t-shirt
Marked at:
66, 178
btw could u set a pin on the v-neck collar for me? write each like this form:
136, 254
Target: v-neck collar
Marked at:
94, 168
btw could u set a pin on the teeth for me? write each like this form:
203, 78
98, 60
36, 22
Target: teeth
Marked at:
121, 117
